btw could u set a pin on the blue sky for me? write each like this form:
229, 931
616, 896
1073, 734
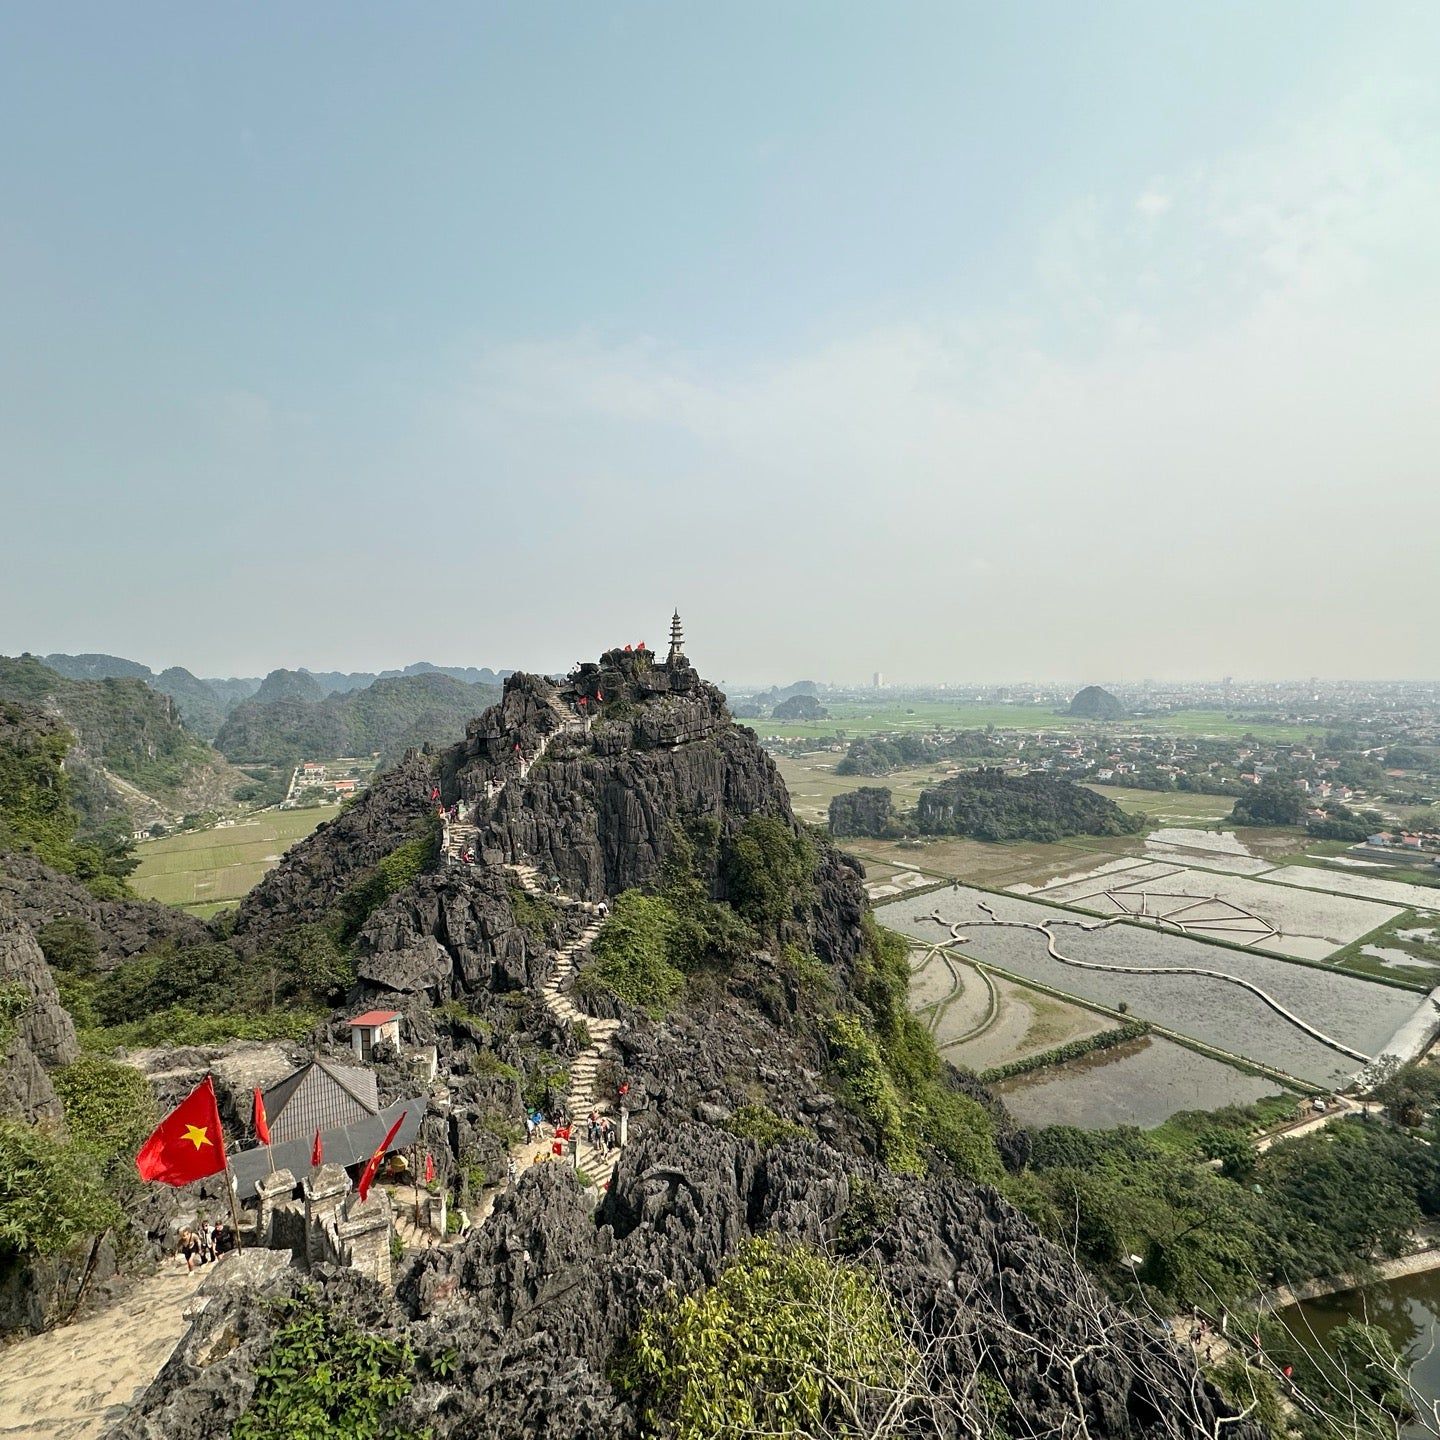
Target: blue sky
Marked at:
958, 341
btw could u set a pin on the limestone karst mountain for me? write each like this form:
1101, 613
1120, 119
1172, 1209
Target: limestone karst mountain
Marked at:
1095, 703
133, 761
776, 1089
386, 717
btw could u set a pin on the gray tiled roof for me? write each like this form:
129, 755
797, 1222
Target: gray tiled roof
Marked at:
320, 1096
345, 1145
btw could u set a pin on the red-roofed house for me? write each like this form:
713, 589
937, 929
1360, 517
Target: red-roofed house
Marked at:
370, 1029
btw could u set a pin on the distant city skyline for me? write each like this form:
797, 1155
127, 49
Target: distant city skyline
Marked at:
938, 339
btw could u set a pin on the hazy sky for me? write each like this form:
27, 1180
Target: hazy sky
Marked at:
960, 341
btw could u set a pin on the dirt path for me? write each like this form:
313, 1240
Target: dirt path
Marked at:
76, 1383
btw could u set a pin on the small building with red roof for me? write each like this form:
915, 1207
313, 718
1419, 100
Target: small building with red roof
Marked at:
374, 1027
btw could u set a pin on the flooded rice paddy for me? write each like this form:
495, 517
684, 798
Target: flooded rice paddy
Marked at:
1308, 924
980, 1020
1361, 1014
1143, 1084
1391, 892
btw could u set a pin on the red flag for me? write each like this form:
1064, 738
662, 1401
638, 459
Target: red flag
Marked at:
629, 648
599, 695
262, 1125
187, 1144
429, 1168
367, 1177
317, 1151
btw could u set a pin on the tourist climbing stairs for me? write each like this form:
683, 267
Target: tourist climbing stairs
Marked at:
586, 1091
461, 837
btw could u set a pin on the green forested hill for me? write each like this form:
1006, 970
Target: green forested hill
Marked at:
36, 815
388, 716
201, 706
121, 724
288, 685
990, 805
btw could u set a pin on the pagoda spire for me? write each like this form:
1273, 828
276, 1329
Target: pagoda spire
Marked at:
677, 640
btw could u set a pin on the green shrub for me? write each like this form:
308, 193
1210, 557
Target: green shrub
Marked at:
548, 1073
109, 1108
179, 1026
768, 871
393, 873
1072, 1050
755, 1122
631, 953
535, 915
920, 1088
868, 1214
325, 1379
69, 944
866, 1085
786, 1342
483, 1062
15, 1000
51, 1192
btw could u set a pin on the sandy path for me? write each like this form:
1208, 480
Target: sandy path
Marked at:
76, 1383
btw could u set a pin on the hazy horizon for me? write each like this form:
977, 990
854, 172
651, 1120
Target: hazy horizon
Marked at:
943, 340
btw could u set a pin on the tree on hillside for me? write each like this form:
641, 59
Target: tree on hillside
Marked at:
1273, 802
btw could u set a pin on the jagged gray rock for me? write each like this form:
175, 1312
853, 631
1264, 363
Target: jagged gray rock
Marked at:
536, 1306
36, 894
44, 1035
317, 871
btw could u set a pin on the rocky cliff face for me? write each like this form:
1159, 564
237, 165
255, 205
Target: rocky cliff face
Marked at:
597, 808
317, 871
590, 795
537, 1305
36, 894
42, 1037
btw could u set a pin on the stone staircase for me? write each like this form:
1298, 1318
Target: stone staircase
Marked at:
460, 835
584, 1093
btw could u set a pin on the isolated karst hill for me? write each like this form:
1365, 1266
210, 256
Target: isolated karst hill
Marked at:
779, 1093
1095, 703
988, 804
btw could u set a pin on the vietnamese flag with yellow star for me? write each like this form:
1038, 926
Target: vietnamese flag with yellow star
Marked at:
187, 1144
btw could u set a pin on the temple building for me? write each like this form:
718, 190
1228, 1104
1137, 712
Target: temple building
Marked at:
677, 640
339, 1102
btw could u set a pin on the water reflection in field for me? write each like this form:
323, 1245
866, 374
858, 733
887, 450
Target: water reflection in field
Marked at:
1143, 1084
1407, 1309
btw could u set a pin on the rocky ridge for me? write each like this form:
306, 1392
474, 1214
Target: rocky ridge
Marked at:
578, 791
535, 1306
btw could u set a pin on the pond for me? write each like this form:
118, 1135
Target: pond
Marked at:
1407, 1309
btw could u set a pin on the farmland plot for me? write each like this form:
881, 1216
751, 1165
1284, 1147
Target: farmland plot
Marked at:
1218, 905
1358, 1013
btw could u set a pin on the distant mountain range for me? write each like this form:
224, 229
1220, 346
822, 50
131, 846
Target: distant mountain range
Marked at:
154, 747
284, 722
204, 703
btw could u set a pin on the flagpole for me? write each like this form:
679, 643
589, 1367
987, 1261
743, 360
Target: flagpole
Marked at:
230, 1188
230, 1185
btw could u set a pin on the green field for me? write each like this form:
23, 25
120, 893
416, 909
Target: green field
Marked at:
856, 717
205, 871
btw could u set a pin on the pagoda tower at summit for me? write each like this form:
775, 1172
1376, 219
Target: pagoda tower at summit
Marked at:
677, 640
